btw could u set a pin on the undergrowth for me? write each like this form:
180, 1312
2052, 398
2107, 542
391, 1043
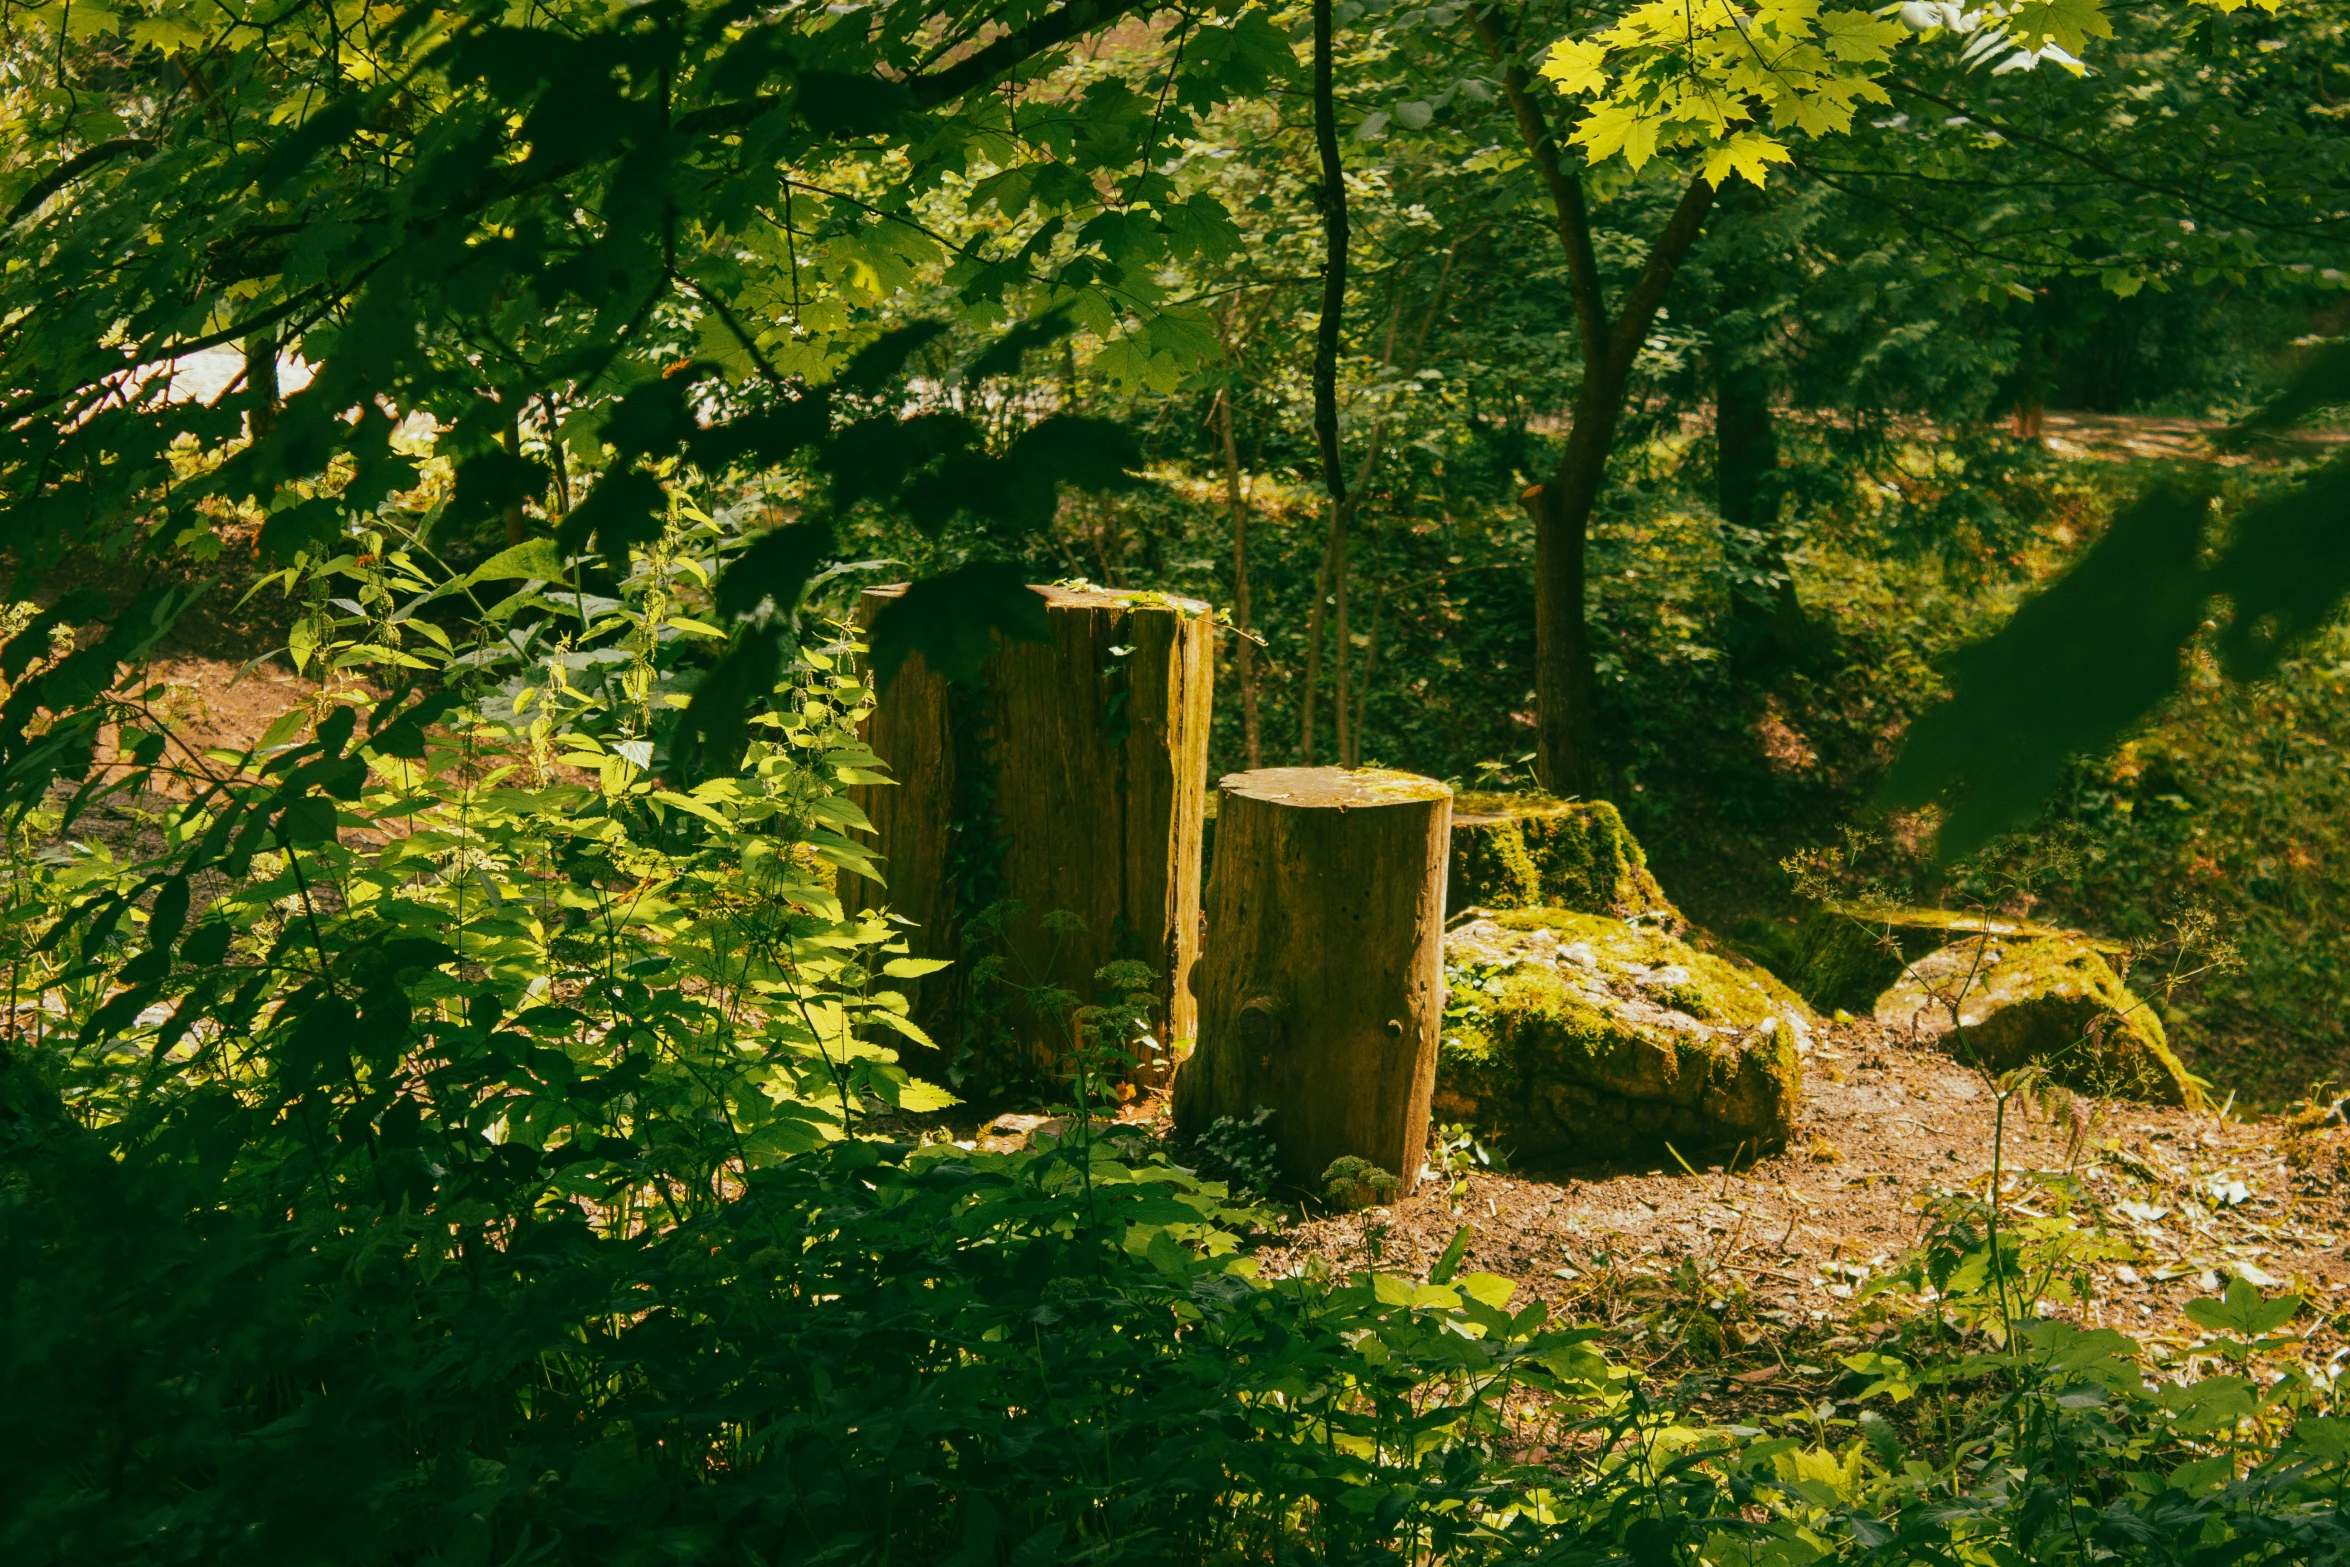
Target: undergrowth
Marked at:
449, 1143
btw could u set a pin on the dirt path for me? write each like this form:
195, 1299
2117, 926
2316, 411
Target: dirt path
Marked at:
2154, 437
1777, 1253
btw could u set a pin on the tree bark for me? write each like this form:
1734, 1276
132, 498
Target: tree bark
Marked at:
1321, 991
1074, 780
261, 383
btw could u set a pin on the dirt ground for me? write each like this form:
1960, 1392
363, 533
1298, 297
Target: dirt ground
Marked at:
1787, 1245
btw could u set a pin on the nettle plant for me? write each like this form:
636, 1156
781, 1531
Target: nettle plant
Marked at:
480, 922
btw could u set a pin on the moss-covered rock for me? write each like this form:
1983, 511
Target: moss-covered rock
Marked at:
1527, 851
1573, 1038
1848, 953
2048, 998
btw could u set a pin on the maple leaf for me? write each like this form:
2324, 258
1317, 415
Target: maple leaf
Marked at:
1578, 65
2068, 24
1745, 153
1861, 38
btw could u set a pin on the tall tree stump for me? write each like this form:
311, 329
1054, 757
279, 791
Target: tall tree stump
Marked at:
1322, 990
1070, 779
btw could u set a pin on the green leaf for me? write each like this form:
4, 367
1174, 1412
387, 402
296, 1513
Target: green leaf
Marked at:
2243, 1312
777, 567
2067, 675
533, 559
1449, 1263
623, 510
1489, 1289
492, 482
308, 822
922, 1097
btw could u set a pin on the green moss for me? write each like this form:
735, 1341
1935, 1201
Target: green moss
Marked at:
1512, 851
1849, 954
2052, 999
1573, 1037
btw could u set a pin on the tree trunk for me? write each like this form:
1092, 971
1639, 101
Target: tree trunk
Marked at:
1321, 991
1072, 780
1566, 739
261, 383
1331, 584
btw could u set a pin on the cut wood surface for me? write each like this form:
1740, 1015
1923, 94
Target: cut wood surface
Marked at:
1071, 780
1321, 990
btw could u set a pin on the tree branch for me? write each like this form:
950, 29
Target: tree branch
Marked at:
1334, 242
999, 55
2100, 166
71, 169
1656, 275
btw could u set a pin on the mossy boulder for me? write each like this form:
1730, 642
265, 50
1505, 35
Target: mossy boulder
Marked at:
1573, 1038
1527, 851
2048, 998
1847, 954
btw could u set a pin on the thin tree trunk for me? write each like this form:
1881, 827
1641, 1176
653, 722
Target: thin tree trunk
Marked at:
1244, 653
1370, 659
1351, 754
1342, 639
261, 382
556, 459
1316, 618
1331, 585
1566, 744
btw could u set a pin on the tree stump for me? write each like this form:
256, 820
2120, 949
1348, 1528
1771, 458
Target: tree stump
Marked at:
1321, 990
1070, 780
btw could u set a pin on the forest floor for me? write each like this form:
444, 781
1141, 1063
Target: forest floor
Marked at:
1781, 1252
